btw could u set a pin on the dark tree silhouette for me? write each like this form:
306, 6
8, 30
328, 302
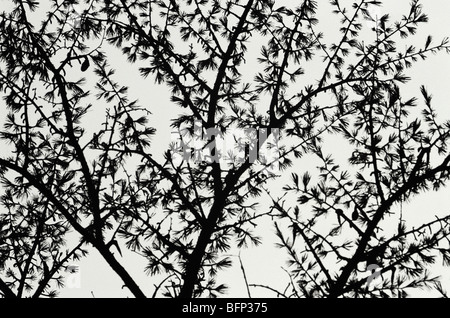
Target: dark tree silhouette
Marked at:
184, 207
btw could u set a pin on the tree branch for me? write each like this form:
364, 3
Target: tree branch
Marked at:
338, 287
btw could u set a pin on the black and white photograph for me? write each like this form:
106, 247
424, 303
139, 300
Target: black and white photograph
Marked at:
247, 150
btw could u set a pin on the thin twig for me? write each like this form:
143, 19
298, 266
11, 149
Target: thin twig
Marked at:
245, 276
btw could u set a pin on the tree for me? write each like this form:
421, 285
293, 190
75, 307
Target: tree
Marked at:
183, 209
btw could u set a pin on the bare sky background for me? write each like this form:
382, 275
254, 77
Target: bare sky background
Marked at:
264, 264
